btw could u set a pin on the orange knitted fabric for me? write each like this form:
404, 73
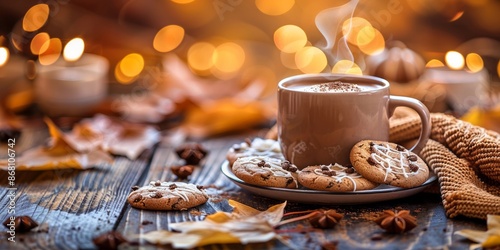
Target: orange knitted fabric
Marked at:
466, 159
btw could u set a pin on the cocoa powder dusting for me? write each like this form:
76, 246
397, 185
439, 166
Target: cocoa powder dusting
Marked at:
336, 86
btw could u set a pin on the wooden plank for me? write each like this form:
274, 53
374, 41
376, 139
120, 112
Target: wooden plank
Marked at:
75, 206
356, 230
71, 206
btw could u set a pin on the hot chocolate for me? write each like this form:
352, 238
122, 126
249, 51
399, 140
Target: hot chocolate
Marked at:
332, 87
320, 117
336, 86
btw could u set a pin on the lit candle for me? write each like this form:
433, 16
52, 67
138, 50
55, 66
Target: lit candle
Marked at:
74, 85
463, 88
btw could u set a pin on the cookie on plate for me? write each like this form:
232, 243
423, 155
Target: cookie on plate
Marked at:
167, 196
334, 178
388, 163
266, 171
256, 147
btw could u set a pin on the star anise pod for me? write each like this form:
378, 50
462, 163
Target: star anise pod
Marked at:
396, 221
20, 224
182, 172
329, 245
192, 153
110, 240
325, 219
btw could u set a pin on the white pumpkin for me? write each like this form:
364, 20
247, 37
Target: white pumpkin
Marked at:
396, 64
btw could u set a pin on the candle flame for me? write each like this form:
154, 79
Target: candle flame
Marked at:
73, 49
4, 56
454, 60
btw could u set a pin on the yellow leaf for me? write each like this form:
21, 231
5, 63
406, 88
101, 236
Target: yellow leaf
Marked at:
111, 135
214, 237
244, 225
242, 209
59, 155
219, 217
474, 235
489, 238
58, 145
491, 241
273, 214
224, 115
488, 119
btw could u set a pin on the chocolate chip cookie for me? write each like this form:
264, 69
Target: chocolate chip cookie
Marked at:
266, 171
388, 163
334, 178
256, 147
167, 196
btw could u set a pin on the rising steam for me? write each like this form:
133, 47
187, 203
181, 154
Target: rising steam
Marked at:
329, 23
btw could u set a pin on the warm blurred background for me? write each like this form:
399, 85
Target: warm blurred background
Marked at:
202, 57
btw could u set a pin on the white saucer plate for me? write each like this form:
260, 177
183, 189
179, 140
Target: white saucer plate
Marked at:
380, 193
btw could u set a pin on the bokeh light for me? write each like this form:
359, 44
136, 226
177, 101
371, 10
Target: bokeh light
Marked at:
434, 63
358, 31
347, 67
51, 51
168, 38
290, 38
35, 17
200, 56
182, 1
73, 49
274, 7
38, 41
228, 57
132, 65
457, 16
374, 45
454, 60
474, 62
4, 56
310, 59
498, 68
122, 78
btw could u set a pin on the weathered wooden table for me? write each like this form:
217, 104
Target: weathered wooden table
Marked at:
72, 207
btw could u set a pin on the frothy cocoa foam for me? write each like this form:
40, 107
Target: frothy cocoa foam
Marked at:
335, 87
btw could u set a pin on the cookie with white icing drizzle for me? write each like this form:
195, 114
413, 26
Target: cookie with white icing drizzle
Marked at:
266, 171
334, 178
388, 163
256, 147
167, 196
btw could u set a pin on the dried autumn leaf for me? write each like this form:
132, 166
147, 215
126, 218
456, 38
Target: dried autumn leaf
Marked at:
224, 115
486, 239
151, 108
58, 155
114, 136
485, 118
244, 225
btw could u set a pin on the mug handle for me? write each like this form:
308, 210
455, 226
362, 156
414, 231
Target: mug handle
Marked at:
422, 111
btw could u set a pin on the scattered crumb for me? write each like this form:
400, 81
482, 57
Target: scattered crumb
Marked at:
146, 222
376, 237
196, 212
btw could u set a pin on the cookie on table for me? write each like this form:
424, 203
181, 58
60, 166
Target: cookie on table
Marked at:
388, 163
266, 171
167, 196
334, 178
256, 147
